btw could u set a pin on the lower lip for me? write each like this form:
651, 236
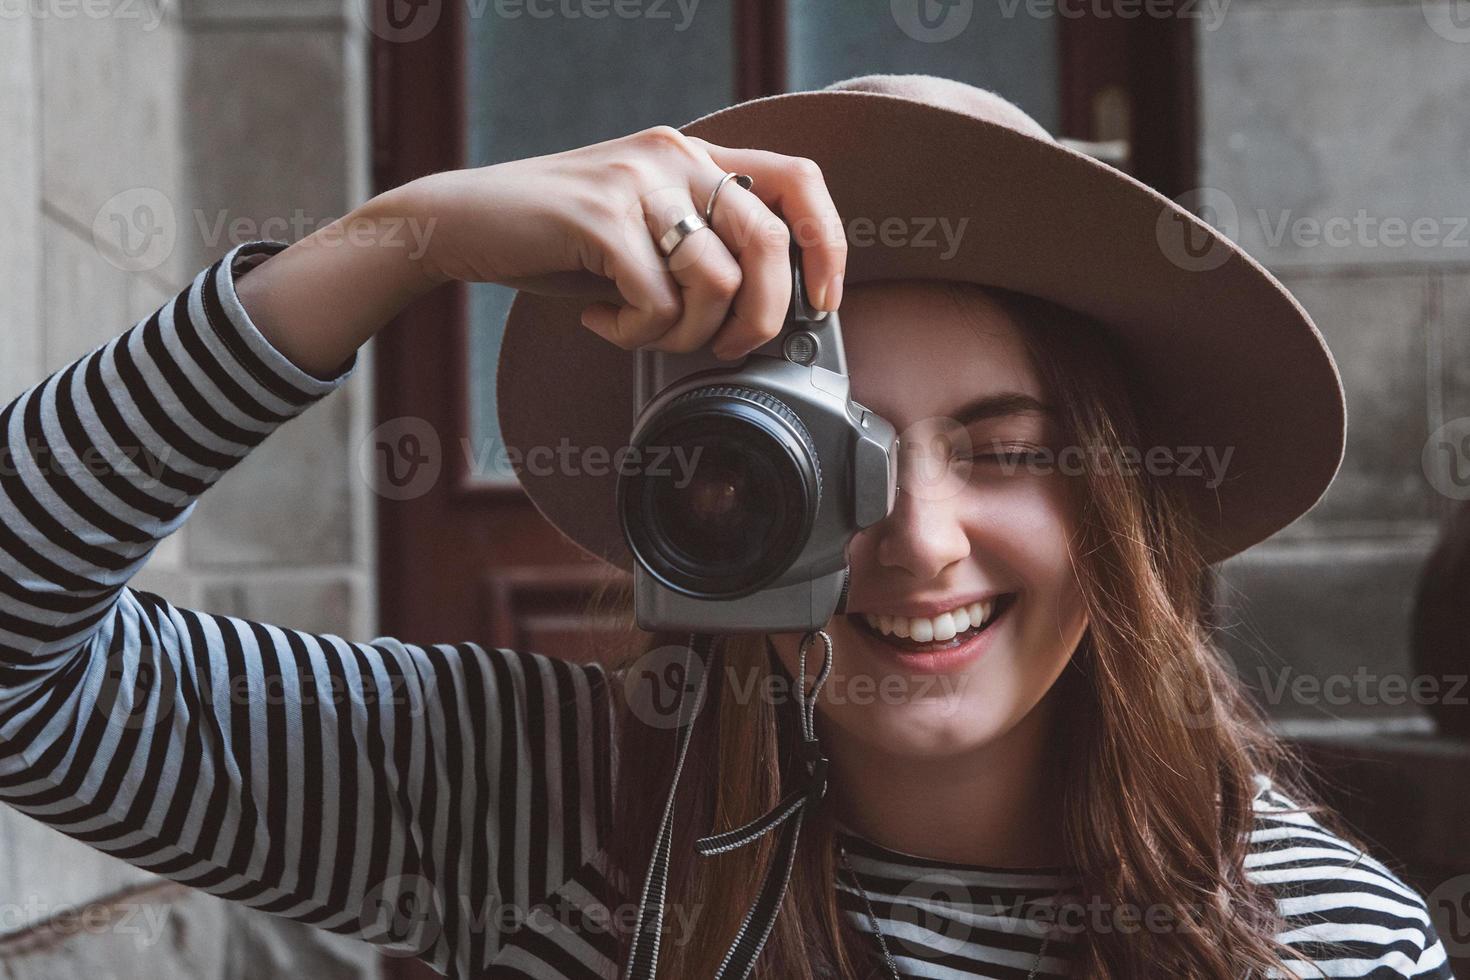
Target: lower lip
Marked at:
945, 660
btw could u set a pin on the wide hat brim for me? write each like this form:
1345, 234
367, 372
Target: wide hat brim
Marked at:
1223, 357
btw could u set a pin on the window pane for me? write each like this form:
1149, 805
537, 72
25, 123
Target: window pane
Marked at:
1001, 46
546, 76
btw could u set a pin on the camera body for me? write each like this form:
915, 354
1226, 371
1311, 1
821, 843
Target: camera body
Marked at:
777, 470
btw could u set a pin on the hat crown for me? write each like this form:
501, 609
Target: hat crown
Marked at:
947, 93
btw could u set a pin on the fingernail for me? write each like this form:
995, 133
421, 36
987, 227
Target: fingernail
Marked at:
832, 295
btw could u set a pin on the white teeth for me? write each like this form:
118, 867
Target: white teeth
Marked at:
945, 626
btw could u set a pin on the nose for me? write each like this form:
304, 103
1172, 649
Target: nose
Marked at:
922, 535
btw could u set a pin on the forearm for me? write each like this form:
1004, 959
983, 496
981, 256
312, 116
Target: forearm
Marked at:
328, 294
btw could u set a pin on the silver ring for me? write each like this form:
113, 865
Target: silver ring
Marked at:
744, 180
682, 229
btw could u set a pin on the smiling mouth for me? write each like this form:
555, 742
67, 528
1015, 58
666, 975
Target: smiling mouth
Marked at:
860, 623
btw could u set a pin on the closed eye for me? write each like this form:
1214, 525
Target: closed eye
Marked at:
1007, 453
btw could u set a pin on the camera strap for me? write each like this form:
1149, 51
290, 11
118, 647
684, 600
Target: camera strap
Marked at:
787, 815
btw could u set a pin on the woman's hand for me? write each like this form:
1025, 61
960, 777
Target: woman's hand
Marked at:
583, 222
587, 221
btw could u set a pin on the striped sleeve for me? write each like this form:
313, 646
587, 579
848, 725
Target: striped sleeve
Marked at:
1346, 913
419, 797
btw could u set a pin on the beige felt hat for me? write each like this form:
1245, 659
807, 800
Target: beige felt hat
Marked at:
1222, 354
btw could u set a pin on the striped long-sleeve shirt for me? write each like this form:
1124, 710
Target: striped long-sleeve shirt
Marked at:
443, 800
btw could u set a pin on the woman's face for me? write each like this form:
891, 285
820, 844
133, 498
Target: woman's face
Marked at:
967, 524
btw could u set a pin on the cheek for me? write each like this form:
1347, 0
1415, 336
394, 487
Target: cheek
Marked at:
1022, 528
1034, 530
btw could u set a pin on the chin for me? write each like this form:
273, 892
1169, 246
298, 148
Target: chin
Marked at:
913, 713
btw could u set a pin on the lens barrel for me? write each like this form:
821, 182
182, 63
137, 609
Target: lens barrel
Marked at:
726, 492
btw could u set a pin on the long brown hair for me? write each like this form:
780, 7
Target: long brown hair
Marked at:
1160, 749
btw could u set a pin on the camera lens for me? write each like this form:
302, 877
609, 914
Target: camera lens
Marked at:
725, 494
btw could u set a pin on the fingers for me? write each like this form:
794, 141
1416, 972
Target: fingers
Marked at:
730, 283
675, 304
794, 188
761, 243
651, 297
708, 276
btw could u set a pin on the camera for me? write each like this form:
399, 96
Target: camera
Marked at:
781, 470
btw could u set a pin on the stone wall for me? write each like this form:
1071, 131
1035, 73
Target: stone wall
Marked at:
1334, 149
140, 140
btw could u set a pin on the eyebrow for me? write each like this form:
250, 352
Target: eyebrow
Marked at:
1000, 405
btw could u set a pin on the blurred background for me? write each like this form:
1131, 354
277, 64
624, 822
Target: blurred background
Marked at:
141, 139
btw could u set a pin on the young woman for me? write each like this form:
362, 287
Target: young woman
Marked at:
1039, 766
